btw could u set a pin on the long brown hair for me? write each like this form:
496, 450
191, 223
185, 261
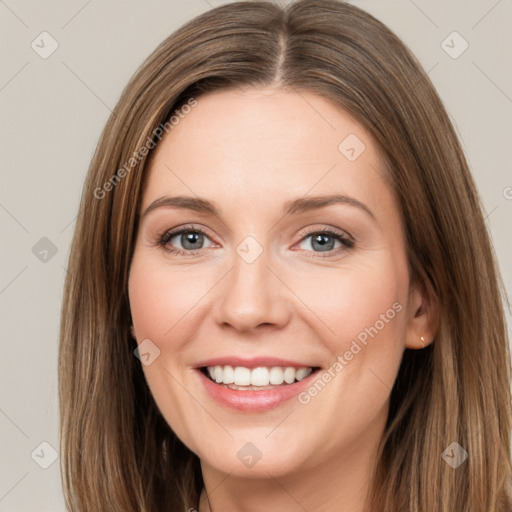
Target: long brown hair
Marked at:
117, 451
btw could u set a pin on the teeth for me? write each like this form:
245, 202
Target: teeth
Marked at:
302, 373
259, 377
228, 375
242, 376
276, 376
289, 375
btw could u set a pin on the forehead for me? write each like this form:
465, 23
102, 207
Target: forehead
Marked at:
258, 144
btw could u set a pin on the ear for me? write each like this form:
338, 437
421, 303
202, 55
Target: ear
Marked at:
423, 320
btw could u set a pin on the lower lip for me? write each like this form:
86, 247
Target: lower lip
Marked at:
253, 400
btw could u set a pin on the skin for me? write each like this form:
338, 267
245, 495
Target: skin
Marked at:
249, 151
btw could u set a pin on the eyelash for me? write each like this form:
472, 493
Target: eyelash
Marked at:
164, 239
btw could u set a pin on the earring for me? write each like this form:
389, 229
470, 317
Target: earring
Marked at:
422, 341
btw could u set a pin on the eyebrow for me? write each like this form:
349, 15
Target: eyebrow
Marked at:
300, 205
305, 204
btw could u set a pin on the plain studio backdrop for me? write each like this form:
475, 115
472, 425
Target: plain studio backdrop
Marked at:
64, 65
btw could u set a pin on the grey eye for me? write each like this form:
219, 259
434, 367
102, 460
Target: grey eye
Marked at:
188, 240
319, 242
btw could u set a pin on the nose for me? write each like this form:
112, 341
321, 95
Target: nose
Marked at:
252, 296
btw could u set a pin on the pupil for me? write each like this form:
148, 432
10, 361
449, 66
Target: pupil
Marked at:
323, 240
190, 239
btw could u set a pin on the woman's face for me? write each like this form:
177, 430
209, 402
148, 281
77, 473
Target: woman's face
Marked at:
291, 286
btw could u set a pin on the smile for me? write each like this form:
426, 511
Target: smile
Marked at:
254, 385
258, 378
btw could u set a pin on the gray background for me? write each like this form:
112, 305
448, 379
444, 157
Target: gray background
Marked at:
52, 112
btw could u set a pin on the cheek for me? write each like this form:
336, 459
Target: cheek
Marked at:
161, 298
361, 312
162, 303
348, 303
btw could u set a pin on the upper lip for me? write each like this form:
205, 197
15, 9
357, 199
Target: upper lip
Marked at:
252, 362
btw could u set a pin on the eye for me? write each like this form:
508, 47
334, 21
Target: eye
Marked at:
185, 241
327, 241
189, 240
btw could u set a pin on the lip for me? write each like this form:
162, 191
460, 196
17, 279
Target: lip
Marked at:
252, 362
253, 400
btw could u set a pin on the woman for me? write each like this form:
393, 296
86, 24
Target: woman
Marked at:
281, 291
